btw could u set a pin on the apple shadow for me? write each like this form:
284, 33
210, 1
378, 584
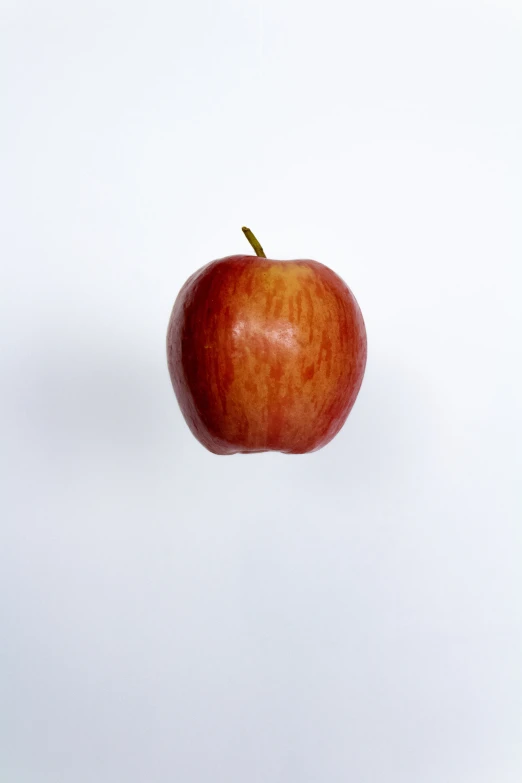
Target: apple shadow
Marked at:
79, 396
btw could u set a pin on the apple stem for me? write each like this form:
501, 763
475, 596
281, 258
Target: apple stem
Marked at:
254, 242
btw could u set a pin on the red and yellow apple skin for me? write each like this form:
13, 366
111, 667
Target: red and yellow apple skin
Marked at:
265, 355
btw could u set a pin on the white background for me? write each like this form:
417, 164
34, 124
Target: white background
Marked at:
350, 615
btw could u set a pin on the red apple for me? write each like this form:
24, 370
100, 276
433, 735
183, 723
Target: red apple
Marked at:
265, 355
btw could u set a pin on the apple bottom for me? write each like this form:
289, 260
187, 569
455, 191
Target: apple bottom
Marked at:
273, 407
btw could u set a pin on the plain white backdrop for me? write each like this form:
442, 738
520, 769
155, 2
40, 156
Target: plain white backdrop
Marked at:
169, 616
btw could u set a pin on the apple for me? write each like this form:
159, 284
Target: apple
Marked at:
265, 355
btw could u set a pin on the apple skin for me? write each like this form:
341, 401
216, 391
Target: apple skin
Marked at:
265, 355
